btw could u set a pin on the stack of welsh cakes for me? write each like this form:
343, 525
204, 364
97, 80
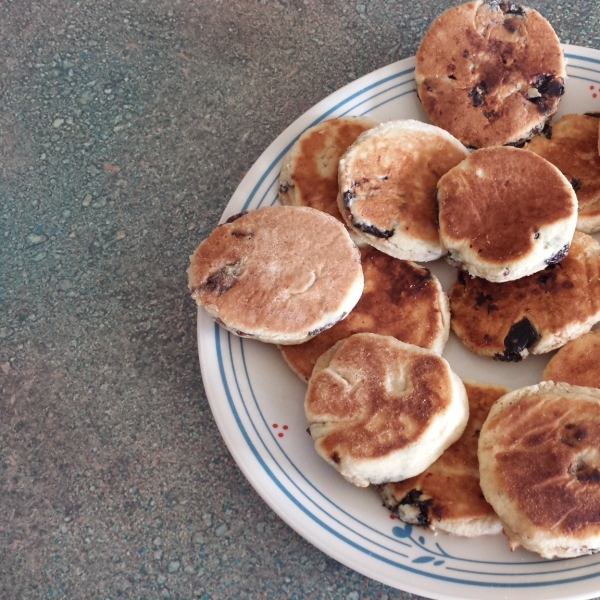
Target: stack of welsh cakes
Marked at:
334, 277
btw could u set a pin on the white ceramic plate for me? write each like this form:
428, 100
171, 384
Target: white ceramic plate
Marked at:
257, 403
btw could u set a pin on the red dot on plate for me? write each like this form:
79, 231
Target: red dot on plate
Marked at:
594, 95
275, 426
285, 427
280, 434
591, 87
392, 517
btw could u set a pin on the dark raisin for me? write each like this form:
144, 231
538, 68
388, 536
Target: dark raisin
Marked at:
477, 94
518, 144
520, 336
510, 25
413, 498
319, 330
465, 53
576, 183
508, 8
335, 457
547, 130
490, 115
589, 476
536, 236
223, 280
558, 256
513, 9
241, 234
236, 216
583, 472
548, 86
349, 197
452, 77
372, 230
284, 187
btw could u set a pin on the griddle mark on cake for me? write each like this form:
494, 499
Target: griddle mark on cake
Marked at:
486, 299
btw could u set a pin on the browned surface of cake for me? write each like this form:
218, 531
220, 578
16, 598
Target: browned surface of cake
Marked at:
539, 465
490, 72
279, 274
571, 144
381, 410
536, 314
447, 495
400, 298
577, 362
309, 176
387, 182
505, 213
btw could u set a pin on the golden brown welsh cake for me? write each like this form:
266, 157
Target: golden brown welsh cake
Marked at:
571, 144
577, 362
279, 274
539, 463
447, 496
309, 175
490, 72
400, 298
505, 213
536, 314
387, 182
381, 410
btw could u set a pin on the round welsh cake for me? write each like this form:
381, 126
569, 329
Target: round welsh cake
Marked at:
309, 175
571, 144
577, 362
447, 496
381, 410
490, 72
387, 182
539, 463
505, 213
400, 298
534, 314
279, 274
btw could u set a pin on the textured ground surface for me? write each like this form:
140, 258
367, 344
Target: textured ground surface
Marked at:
124, 129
